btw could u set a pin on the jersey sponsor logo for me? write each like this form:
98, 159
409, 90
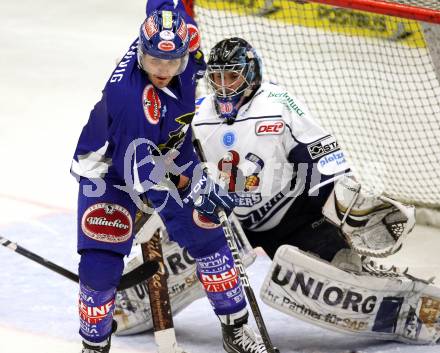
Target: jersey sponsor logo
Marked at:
323, 291
182, 31
166, 45
256, 216
323, 146
246, 199
152, 104
332, 163
105, 222
150, 28
269, 127
95, 314
194, 37
220, 282
167, 35
287, 100
229, 138
203, 222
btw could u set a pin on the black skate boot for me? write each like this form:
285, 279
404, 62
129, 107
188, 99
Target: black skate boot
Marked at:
238, 337
89, 347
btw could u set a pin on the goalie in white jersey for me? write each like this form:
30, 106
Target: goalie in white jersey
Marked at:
285, 173
272, 156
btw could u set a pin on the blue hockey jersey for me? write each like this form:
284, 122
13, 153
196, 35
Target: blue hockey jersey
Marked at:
134, 120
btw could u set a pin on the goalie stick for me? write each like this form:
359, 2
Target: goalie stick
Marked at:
139, 274
158, 293
226, 226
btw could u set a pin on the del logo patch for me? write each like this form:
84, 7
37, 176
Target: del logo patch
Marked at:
151, 103
269, 127
106, 222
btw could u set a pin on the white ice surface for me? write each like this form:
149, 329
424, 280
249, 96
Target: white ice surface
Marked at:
55, 58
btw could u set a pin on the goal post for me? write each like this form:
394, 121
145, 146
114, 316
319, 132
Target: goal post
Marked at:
368, 77
423, 10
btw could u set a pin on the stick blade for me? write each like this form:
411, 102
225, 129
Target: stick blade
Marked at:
139, 274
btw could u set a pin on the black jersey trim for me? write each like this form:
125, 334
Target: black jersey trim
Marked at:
240, 120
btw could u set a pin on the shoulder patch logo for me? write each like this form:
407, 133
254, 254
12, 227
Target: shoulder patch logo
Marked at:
151, 104
194, 37
332, 163
269, 127
322, 147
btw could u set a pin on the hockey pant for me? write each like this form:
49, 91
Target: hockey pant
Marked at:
105, 235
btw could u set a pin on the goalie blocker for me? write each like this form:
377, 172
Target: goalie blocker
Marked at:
400, 307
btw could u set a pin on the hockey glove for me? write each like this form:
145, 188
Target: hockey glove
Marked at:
206, 197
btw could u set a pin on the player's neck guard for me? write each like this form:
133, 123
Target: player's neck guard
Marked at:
228, 107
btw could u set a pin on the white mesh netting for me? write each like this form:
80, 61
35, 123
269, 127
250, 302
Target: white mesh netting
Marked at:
368, 78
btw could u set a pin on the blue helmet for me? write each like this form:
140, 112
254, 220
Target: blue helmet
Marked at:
237, 57
163, 35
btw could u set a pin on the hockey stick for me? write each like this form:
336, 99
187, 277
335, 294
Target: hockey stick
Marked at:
158, 293
226, 226
139, 274
128, 280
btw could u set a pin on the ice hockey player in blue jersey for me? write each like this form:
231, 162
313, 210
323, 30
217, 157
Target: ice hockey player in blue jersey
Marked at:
136, 143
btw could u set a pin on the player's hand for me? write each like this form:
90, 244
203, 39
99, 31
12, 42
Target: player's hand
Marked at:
207, 197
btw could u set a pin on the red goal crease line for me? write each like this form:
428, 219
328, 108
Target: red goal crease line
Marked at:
388, 8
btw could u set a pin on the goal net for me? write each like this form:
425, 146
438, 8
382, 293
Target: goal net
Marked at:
369, 78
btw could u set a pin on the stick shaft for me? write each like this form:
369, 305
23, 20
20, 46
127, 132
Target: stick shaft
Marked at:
239, 264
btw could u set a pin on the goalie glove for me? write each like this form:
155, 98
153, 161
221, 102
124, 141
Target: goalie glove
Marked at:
373, 225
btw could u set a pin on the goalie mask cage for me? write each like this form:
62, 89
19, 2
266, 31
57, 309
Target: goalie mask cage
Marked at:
368, 77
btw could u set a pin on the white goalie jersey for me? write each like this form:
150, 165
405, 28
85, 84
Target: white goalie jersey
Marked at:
272, 154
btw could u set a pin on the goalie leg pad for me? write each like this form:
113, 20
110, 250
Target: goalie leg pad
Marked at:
305, 287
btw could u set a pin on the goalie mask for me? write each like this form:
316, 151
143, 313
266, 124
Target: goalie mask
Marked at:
234, 74
163, 44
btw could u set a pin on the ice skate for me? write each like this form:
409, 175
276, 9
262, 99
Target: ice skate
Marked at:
238, 337
89, 347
